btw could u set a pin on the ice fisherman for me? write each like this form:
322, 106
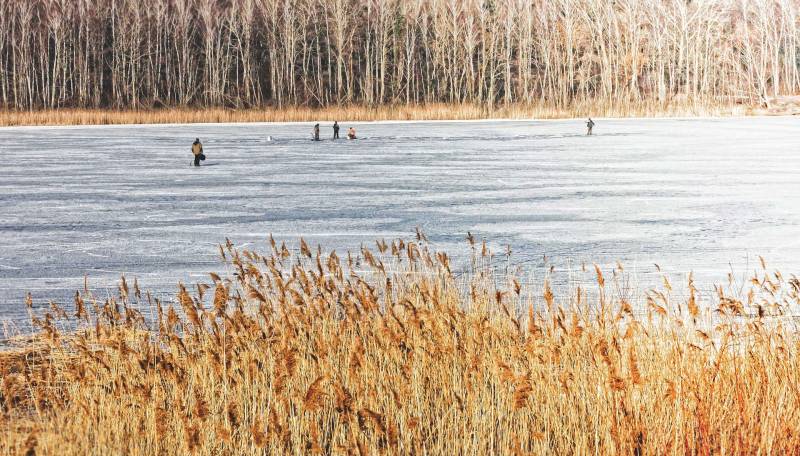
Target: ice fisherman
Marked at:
351, 133
335, 129
197, 150
316, 132
589, 126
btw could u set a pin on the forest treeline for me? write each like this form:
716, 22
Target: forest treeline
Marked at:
252, 53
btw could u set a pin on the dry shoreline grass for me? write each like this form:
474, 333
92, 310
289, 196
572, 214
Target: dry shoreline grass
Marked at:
354, 113
388, 352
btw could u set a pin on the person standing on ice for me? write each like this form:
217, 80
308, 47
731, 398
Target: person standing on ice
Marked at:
197, 150
316, 132
589, 126
351, 133
335, 130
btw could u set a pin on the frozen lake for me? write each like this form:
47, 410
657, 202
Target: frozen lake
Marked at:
691, 195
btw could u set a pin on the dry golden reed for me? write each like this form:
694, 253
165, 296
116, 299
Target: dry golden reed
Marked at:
431, 111
389, 351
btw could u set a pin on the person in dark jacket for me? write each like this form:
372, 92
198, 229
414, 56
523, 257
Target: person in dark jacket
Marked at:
335, 130
589, 126
316, 132
197, 150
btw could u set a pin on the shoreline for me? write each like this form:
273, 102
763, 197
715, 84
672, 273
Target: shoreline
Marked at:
386, 114
391, 122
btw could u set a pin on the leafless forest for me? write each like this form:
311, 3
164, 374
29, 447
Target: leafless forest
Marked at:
252, 53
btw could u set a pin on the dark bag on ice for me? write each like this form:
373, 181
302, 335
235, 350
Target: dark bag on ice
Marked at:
202, 157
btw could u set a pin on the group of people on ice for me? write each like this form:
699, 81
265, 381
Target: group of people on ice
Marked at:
351, 132
197, 146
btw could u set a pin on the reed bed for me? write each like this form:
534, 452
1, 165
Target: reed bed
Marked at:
389, 351
357, 113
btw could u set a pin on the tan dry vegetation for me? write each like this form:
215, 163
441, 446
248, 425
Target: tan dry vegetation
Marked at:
389, 352
436, 111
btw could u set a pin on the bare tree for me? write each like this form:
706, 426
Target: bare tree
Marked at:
151, 53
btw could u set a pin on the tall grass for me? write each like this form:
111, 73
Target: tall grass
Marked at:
388, 351
435, 111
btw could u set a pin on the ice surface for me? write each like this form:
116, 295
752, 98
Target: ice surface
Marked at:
691, 195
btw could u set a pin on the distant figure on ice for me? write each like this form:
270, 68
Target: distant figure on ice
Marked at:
269, 138
197, 150
335, 130
351, 133
589, 126
316, 132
